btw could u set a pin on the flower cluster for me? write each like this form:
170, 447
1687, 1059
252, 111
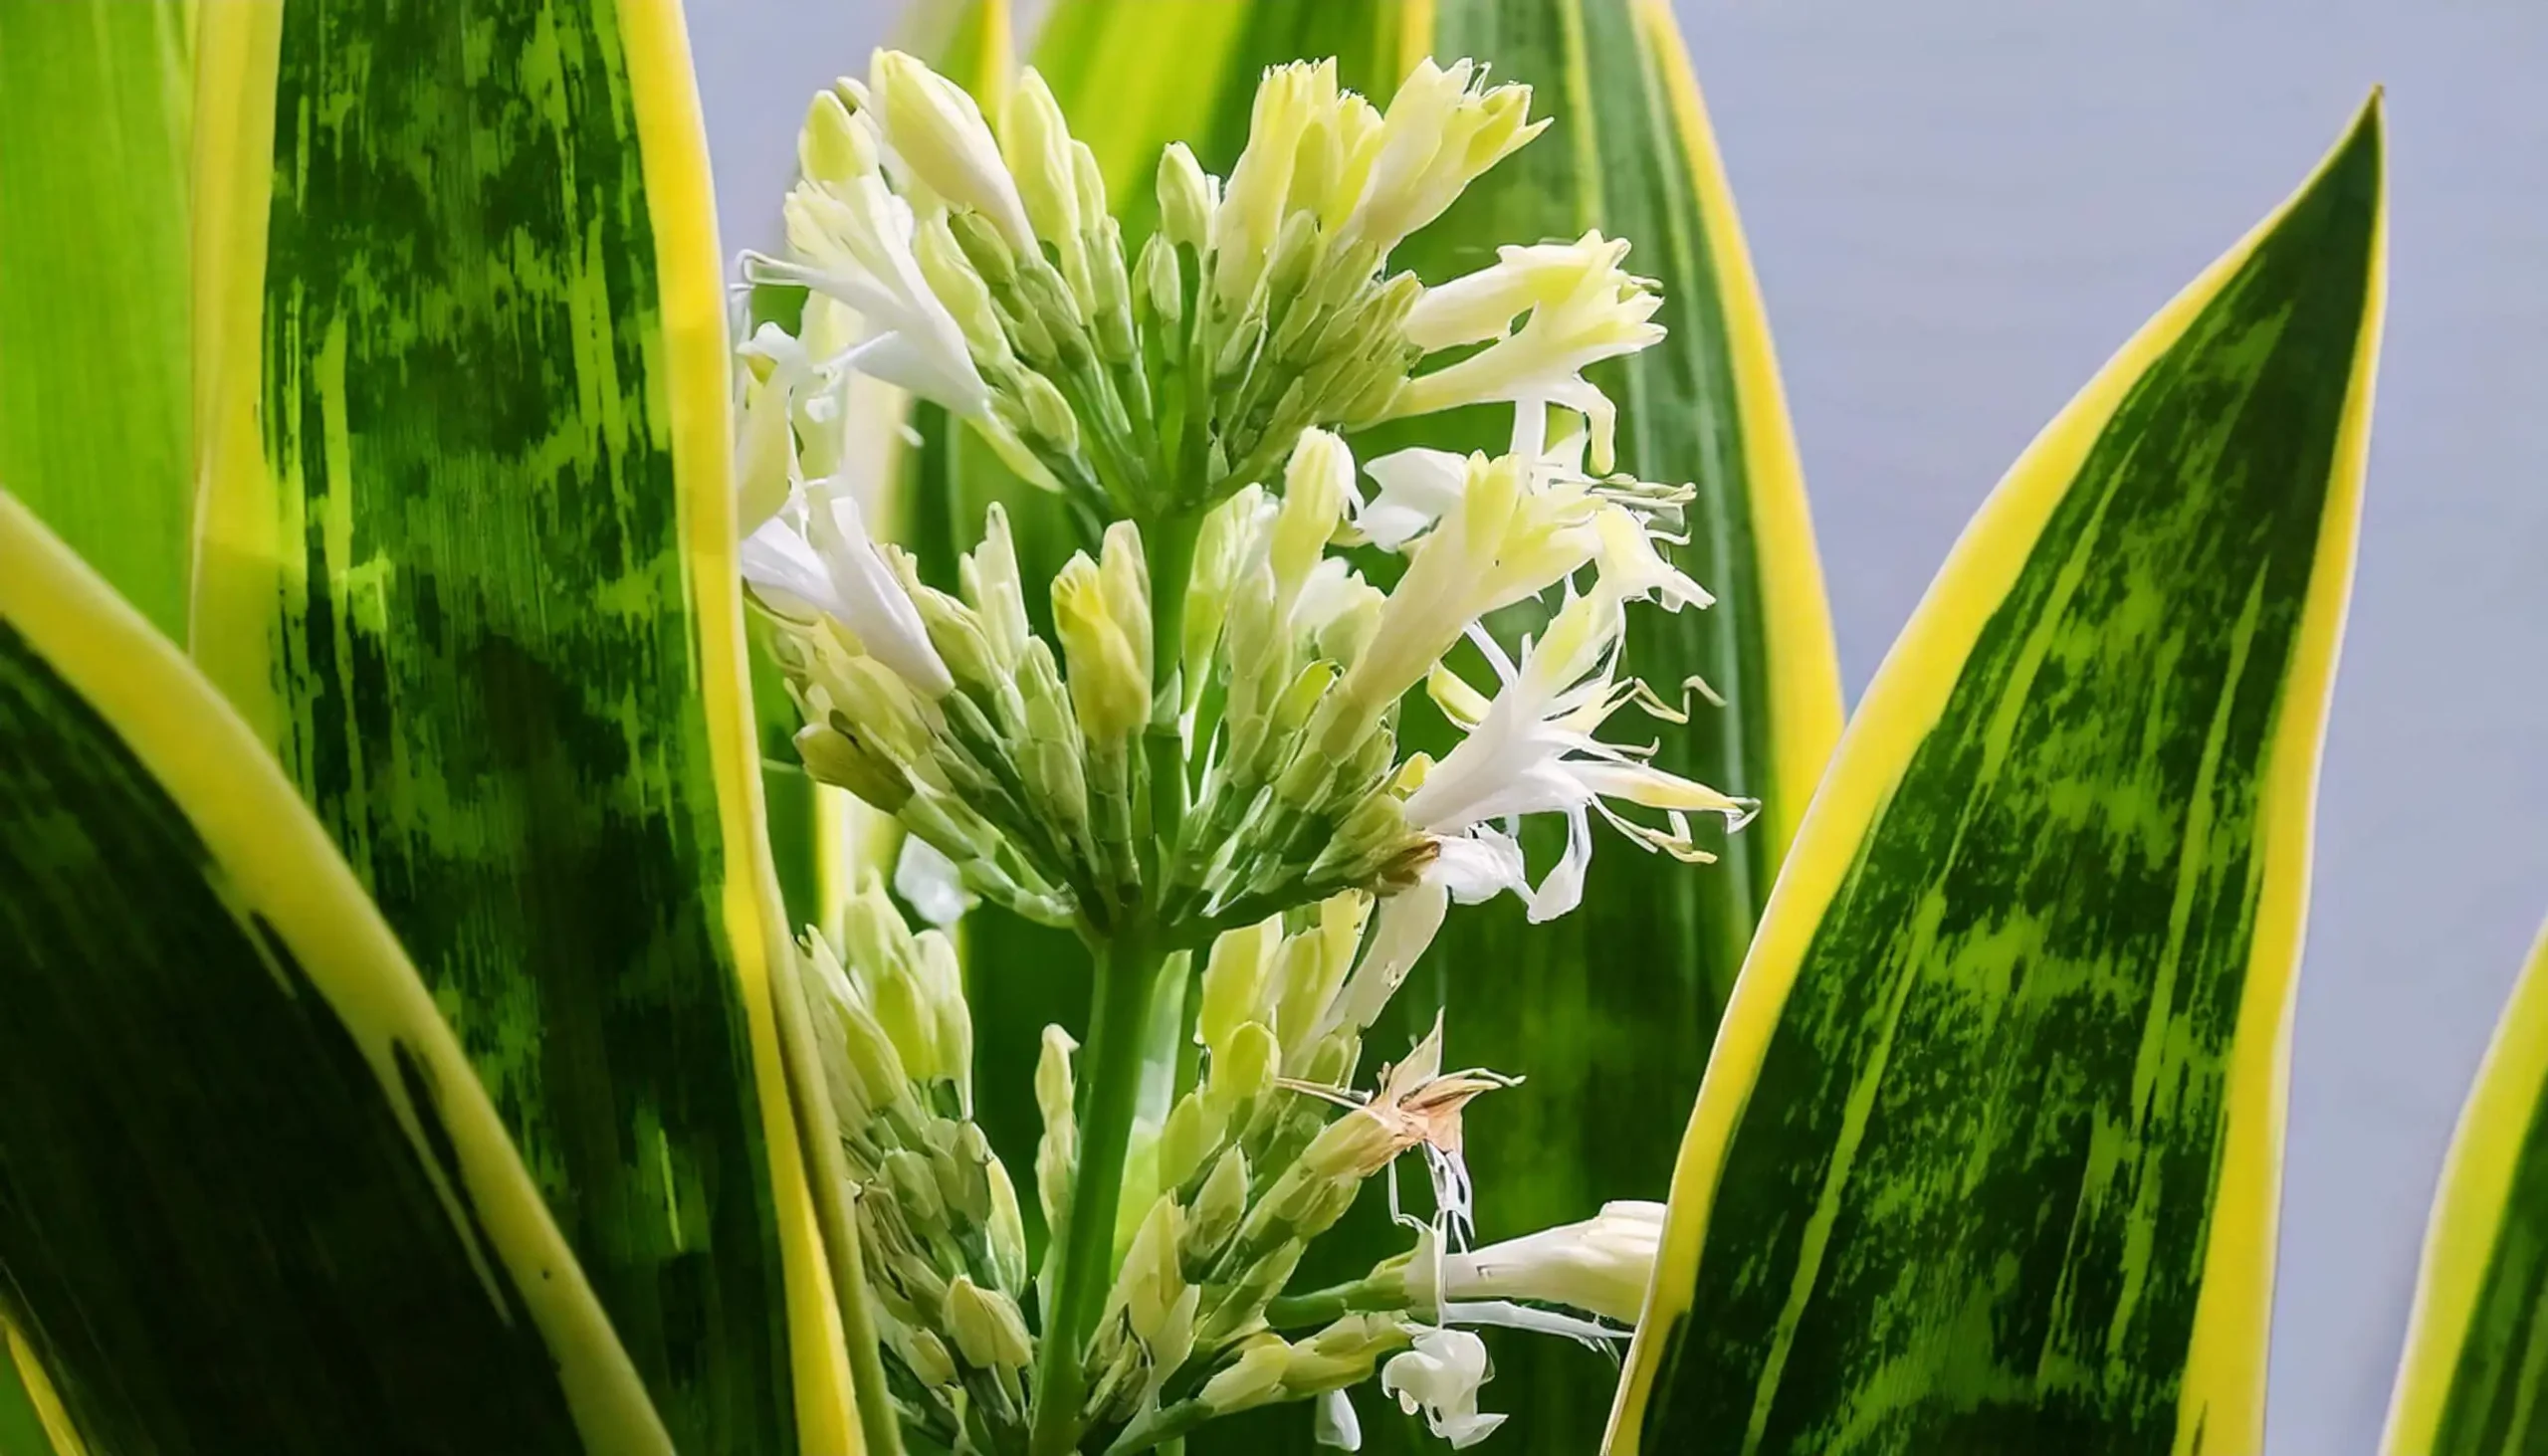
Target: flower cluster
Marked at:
1198, 763
946, 1247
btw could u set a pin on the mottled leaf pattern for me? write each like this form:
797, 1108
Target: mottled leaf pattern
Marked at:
251, 1198
1988, 1155
2477, 1349
474, 576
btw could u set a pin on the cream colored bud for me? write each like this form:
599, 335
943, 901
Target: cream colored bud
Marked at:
930, 1363
1163, 282
833, 148
988, 1330
915, 1185
938, 131
1152, 1281
1109, 686
1219, 1206
1048, 412
1254, 1380
1090, 182
1234, 977
1185, 1138
1187, 198
1125, 577
1036, 142
1317, 482
1246, 1069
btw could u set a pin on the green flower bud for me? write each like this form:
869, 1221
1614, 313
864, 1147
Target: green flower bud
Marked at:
1048, 412
1355, 1145
957, 633
1005, 1229
965, 1176
1340, 1355
1317, 482
836, 758
1254, 1379
988, 1330
1110, 304
1218, 1207
930, 1362
1187, 198
1163, 293
1297, 252
941, 976
943, 265
984, 248
1126, 578
1057, 1155
915, 1184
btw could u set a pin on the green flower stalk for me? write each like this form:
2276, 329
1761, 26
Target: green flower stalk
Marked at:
1199, 772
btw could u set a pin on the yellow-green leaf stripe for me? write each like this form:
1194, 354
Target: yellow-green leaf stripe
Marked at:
1989, 1147
2476, 1350
467, 566
252, 1197
93, 318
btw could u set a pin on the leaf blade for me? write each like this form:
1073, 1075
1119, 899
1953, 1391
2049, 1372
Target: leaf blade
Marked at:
2468, 1382
93, 122
468, 565
398, 1242
1743, 1349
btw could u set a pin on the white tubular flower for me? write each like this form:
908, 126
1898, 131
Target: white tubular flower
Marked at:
1532, 750
1337, 1426
815, 557
776, 368
852, 242
1499, 542
940, 134
1634, 571
1419, 486
1442, 131
1584, 309
1599, 1266
1440, 1377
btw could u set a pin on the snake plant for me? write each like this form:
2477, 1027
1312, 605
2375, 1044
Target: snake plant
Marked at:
578, 949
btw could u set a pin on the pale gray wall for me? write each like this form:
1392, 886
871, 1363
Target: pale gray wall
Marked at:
1959, 209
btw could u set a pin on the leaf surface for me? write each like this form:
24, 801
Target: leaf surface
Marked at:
2476, 1349
1989, 1147
468, 566
250, 1196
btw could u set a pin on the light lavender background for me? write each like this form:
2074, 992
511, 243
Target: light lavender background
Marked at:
1959, 210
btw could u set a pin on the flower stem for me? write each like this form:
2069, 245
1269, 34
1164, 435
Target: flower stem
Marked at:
1114, 1060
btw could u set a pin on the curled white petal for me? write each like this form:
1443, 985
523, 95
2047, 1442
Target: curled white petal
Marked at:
1440, 1377
1336, 1424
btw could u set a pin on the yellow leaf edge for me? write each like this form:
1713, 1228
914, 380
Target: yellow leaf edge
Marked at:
276, 856
2468, 1211
2223, 1401
1796, 612
698, 364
